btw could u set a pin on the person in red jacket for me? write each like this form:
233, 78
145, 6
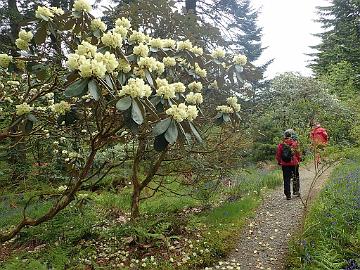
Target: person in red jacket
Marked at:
288, 157
318, 135
319, 139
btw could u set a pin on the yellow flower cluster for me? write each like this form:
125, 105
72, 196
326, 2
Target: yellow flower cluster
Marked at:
166, 91
179, 87
169, 61
124, 66
151, 64
141, 50
218, 53
199, 71
182, 112
108, 59
23, 109
5, 60
136, 88
61, 108
82, 5
240, 59
232, 101
137, 37
89, 62
97, 24
123, 22
86, 49
121, 30
194, 98
225, 109
57, 11
184, 45
112, 39
161, 82
214, 85
195, 86
169, 43
197, 50
23, 41
42, 12
156, 43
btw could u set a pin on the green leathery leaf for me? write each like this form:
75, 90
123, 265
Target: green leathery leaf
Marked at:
172, 132
161, 127
77, 89
124, 103
136, 113
93, 89
195, 132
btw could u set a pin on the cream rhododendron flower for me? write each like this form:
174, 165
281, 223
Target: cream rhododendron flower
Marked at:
156, 43
27, 36
178, 112
225, 109
141, 50
61, 108
194, 98
23, 109
113, 40
98, 68
166, 91
85, 68
218, 53
108, 59
169, 43
199, 71
5, 60
22, 44
240, 59
161, 82
184, 45
136, 88
42, 11
137, 37
121, 30
169, 61
97, 24
124, 66
197, 50
179, 87
192, 112
195, 86
149, 63
57, 11
232, 101
123, 22
82, 5
86, 49
214, 85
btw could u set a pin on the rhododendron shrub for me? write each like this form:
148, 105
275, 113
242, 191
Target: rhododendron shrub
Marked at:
84, 88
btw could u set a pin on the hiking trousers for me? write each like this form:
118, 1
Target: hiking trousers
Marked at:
291, 172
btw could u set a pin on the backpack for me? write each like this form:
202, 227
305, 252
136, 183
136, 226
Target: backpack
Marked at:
286, 153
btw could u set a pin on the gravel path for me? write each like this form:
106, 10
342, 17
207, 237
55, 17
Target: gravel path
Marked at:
264, 242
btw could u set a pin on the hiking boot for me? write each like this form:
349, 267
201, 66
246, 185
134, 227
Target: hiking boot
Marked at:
297, 194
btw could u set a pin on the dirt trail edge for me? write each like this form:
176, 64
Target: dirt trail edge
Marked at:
264, 242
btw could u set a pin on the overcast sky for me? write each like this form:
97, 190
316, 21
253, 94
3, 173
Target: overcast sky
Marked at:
288, 26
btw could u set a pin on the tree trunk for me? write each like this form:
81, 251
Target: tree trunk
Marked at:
135, 203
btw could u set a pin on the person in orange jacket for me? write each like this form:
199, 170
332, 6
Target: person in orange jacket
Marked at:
288, 157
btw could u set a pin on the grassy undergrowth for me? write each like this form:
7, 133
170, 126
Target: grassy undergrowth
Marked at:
175, 232
331, 235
